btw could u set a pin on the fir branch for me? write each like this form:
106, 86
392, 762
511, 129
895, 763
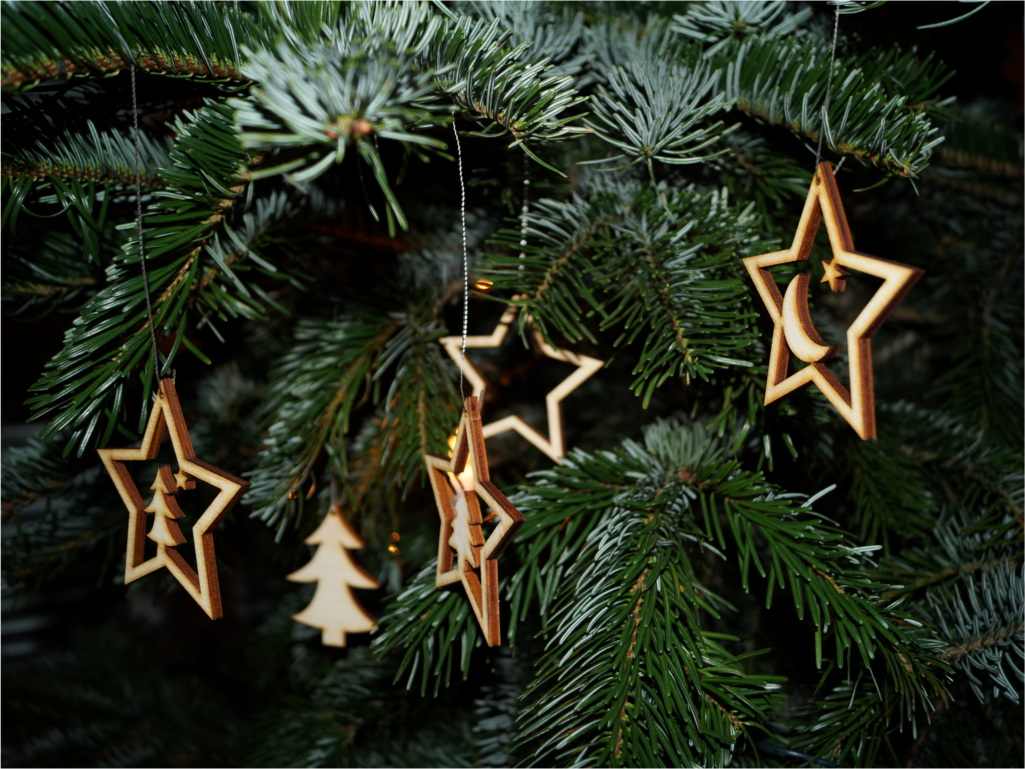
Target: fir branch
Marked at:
388, 74
53, 514
641, 259
436, 628
979, 137
968, 585
657, 688
415, 421
315, 388
55, 270
884, 507
30, 472
356, 86
751, 169
56, 40
508, 92
682, 487
849, 725
189, 248
555, 31
783, 84
91, 156
982, 384
656, 110
551, 275
716, 24
687, 290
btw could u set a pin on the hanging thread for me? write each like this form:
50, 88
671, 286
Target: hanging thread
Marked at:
138, 220
524, 210
829, 88
466, 261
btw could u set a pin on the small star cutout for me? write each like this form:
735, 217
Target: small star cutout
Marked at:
183, 481
461, 522
553, 445
201, 582
794, 332
834, 276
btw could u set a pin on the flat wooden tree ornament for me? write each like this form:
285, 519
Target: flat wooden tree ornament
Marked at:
793, 331
200, 582
462, 549
334, 609
553, 445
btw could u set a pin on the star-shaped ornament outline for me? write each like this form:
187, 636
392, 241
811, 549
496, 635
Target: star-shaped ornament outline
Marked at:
793, 331
482, 590
554, 445
201, 583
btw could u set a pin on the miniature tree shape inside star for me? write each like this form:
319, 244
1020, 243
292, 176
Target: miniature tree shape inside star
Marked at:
334, 609
461, 539
793, 331
200, 582
165, 531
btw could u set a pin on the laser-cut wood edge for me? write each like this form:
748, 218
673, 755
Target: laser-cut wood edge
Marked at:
857, 405
481, 591
201, 582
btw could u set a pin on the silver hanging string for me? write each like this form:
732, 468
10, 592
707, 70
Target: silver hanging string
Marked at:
138, 220
524, 210
829, 88
466, 261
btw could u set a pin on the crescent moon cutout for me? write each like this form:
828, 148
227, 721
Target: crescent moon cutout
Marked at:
802, 338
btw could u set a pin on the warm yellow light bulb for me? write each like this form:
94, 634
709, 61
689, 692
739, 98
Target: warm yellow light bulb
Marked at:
463, 480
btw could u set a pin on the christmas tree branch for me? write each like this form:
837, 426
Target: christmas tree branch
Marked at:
316, 385
650, 114
188, 216
783, 84
53, 514
690, 281
436, 628
57, 40
551, 271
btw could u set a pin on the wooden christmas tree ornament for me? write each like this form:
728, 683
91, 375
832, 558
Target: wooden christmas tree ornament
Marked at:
554, 444
334, 609
794, 331
201, 582
462, 548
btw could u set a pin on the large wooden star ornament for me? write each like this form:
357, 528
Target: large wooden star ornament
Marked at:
553, 445
462, 549
201, 582
794, 331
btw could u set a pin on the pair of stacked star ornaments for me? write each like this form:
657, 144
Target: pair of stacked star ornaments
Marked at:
461, 481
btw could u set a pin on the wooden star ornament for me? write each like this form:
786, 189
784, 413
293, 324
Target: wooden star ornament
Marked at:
201, 582
553, 445
462, 549
794, 331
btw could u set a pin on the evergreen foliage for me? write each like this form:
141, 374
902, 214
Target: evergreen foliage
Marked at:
704, 580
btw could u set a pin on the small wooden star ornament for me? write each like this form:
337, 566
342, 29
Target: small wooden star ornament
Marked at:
462, 548
201, 582
794, 331
553, 445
